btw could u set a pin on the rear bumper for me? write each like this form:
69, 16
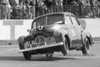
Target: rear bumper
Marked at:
41, 47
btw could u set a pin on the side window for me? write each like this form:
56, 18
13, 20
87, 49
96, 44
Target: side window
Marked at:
74, 20
68, 20
40, 21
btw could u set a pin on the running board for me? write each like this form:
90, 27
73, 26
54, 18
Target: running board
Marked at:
41, 47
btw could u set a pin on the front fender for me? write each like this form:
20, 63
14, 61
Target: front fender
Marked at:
21, 39
29, 38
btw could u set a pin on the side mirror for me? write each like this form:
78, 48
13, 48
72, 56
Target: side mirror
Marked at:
82, 23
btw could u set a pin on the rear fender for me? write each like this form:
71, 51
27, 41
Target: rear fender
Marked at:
90, 39
87, 35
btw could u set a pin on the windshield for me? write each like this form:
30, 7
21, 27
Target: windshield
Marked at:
49, 20
52, 19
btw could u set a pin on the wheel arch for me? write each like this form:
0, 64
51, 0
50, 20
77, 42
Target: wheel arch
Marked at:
84, 35
88, 39
68, 39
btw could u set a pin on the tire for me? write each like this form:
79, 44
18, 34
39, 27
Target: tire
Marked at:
65, 47
21, 42
24, 45
49, 55
85, 48
26, 54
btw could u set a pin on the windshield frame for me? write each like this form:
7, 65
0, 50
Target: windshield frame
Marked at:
46, 19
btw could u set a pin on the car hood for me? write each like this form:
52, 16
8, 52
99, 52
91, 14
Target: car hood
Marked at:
49, 29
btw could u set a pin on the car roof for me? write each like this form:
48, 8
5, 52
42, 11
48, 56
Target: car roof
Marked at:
55, 13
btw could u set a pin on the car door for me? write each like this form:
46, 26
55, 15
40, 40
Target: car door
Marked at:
70, 30
77, 29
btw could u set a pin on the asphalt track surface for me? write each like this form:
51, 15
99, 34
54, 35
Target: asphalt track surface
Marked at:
10, 57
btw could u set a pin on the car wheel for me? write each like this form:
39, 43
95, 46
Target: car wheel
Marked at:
65, 47
26, 54
49, 55
24, 45
21, 42
85, 48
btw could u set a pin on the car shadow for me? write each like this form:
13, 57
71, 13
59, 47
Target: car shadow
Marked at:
51, 59
12, 58
38, 58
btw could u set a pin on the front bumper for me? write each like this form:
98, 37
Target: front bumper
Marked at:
41, 47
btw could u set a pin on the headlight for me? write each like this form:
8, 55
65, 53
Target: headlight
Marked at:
56, 27
40, 27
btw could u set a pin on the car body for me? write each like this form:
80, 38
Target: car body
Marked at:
53, 32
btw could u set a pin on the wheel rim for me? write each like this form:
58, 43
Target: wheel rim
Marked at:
85, 48
87, 45
66, 46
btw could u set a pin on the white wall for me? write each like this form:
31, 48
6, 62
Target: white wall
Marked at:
12, 29
93, 26
21, 30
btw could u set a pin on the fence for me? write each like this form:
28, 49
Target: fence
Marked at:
29, 12
4, 12
18, 12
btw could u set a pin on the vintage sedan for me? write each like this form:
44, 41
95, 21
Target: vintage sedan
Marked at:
55, 32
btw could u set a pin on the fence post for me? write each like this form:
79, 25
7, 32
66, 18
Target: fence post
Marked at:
0, 11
